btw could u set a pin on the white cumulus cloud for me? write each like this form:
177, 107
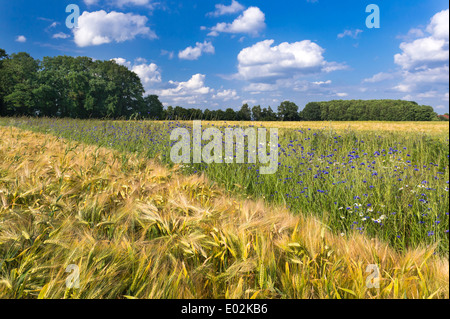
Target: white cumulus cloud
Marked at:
193, 91
251, 21
226, 95
99, 27
422, 52
438, 26
425, 61
21, 39
221, 9
193, 53
149, 74
427, 51
265, 63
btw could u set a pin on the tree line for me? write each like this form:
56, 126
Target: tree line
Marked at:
372, 110
65, 86
80, 87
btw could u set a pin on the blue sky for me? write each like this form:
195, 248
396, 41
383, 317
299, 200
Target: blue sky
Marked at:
223, 53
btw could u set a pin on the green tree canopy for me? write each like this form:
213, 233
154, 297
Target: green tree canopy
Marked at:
245, 113
18, 81
230, 115
269, 115
288, 111
153, 107
257, 113
311, 112
370, 110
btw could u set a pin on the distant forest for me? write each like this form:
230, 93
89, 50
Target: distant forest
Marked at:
80, 87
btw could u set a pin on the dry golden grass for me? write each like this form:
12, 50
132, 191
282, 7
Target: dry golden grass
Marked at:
432, 128
138, 230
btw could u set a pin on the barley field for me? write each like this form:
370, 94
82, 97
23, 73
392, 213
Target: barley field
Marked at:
431, 128
104, 195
